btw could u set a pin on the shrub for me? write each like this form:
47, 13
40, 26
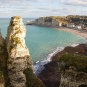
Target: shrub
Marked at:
32, 79
80, 62
83, 85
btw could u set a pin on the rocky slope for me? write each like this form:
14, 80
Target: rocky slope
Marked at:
51, 75
70, 78
72, 62
73, 71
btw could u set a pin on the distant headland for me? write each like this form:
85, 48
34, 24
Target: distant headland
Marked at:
71, 21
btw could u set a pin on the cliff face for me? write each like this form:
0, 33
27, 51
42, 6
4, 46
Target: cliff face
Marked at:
1, 58
47, 21
58, 21
18, 55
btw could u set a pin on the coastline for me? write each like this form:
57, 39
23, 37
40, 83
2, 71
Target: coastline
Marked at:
79, 32
82, 33
51, 68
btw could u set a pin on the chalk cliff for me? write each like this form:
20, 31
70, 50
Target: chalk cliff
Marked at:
47, 21
18, 55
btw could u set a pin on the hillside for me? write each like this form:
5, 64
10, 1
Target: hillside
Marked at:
58, 21
71, 19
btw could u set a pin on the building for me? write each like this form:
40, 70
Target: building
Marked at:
78, 27
71, 25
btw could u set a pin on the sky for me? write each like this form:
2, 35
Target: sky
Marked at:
41, 8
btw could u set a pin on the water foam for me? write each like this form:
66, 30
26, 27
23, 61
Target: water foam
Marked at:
74, 45
39, 65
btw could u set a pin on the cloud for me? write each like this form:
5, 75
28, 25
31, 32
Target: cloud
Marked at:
75, 2
37, 8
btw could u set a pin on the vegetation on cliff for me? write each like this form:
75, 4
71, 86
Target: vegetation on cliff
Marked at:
76, 19
79, 62
73, 70
32, 79
83, 85
48, 19
4, 79
62, 20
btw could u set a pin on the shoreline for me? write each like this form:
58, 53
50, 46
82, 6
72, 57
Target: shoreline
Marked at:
79, 32
82, 33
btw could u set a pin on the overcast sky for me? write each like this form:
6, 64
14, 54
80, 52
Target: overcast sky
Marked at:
40, 8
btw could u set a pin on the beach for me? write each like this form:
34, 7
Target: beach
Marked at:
80, 32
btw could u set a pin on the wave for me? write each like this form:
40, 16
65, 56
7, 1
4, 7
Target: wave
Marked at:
39, 65
74, 45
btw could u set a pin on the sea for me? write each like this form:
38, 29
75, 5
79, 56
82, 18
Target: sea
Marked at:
43, 42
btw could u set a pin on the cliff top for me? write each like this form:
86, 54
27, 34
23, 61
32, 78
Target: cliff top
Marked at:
17, 17
76, 19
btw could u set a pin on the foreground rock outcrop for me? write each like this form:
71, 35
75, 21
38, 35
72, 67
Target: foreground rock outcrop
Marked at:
18, 55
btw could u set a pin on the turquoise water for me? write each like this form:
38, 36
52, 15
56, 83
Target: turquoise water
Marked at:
41, 40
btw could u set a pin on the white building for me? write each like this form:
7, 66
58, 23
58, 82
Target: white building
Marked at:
78, 27
71, 25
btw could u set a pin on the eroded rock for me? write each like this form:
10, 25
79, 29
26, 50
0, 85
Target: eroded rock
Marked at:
18, 55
